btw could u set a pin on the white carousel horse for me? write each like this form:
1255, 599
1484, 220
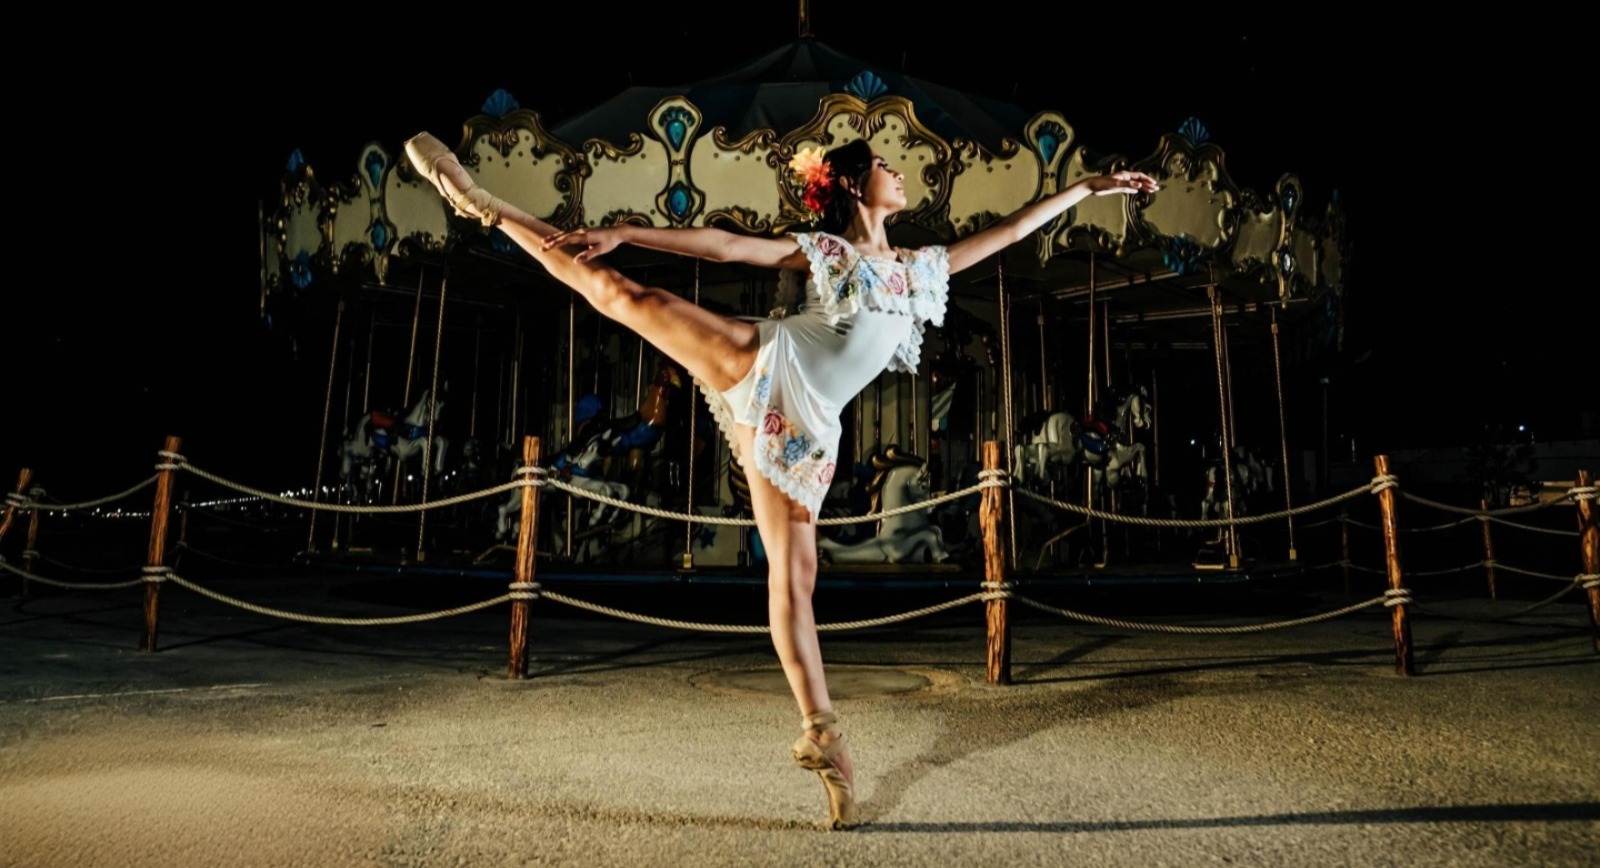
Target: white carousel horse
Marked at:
1250, 476
576, 472
1061, 441
906, 538
378, 437
412, 438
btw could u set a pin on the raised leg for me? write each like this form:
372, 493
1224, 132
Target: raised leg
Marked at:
714, 348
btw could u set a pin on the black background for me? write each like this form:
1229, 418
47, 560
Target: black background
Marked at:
132, 306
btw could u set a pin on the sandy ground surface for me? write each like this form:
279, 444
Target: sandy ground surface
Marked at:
252, 741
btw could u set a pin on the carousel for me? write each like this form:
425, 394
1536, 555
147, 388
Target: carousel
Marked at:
1138, 356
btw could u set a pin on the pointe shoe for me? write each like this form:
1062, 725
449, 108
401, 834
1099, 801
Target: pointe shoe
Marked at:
810, 754
426, 154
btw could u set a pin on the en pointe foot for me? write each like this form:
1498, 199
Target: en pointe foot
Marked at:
436, 162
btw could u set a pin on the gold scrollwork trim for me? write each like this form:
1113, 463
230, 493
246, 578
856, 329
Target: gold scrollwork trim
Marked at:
502, 134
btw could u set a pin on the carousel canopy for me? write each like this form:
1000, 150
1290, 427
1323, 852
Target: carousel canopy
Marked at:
714, 153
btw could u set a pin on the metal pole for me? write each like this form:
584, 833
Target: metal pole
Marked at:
327, 408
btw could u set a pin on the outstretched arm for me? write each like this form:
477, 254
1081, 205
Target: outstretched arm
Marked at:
981, 245
715, 245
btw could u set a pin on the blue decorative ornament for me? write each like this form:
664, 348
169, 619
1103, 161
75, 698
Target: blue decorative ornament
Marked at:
866, 86
380, 236
678, 201
500, 103
1285, 261
1335, 195
375, 167
1290, 199
1195, 132
1051, 135
296, 160
300, 270
675, 122
1182, 255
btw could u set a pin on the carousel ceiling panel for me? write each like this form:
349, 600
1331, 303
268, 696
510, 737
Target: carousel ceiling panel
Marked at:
986, 186
1196, 199
890, 127
738, 179
1101, 222
515, 165
359, 228
1303, 269
1260, 231
416, 210
301, 221
623, 183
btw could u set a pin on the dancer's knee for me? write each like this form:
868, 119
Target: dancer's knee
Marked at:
614, 295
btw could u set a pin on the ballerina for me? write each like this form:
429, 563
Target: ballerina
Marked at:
776, 385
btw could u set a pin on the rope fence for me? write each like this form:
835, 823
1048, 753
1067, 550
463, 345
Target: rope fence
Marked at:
995, 590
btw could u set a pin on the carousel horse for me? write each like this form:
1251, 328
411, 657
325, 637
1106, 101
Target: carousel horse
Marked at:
1058, 442
380, 437
910, 537
583, 462
1250, 476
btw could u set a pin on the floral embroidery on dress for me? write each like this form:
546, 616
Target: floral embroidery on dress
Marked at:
916, 284
789, 450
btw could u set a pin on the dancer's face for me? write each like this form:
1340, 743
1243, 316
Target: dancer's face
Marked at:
886, 188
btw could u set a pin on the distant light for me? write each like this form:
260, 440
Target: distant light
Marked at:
1191, 441
1522, 427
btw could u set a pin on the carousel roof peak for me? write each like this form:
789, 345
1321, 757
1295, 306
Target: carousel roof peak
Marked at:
781, 88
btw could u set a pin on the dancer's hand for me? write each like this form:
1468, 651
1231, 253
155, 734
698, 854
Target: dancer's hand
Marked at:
1124, 183
595, 242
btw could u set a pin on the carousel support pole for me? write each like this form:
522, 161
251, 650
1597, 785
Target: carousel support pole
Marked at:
517, 348
30, 552
1155, 428
1005, 394
916, 417
1219, 340
638, 401
1089, 395
1044, 365
433, 423
157, 560
688, 526
1589, 539
991, 515
183, 524
411, 367
10, 515
1391, 557
349, 413
1488, 547
572, 401
1283, 433
477, 368
1344, 548
527, 534
322, 453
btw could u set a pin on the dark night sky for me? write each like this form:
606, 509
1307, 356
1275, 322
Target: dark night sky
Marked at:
1449, 327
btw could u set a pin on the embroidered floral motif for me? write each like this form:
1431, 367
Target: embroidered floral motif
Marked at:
788, 449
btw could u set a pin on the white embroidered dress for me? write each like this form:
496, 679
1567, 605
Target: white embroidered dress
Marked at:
853, 316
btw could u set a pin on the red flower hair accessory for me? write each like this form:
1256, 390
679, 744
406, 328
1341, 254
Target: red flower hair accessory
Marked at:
815, 177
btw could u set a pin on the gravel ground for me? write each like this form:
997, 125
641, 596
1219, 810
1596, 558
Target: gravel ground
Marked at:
249, 740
